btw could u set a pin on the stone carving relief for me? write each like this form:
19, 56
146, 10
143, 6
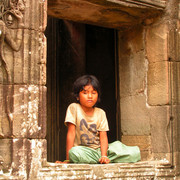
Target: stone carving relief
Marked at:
11, 34
11, 14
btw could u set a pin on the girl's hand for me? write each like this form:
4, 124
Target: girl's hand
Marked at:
62, 162
104, 160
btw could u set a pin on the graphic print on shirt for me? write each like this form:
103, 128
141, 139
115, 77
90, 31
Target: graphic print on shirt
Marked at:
89, 133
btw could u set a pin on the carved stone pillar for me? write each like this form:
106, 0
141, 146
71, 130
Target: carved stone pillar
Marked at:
22, 85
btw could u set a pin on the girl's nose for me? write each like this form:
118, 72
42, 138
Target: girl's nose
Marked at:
89, 95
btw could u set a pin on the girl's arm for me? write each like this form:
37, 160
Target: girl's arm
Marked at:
70, 138
104, 147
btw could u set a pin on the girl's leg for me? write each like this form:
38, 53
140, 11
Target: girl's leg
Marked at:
120, 153
82, 154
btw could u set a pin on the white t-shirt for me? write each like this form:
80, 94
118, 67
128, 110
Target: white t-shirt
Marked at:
87, 127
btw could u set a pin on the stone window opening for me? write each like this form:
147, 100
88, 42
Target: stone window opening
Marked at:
80, 49
139, 108
143, 141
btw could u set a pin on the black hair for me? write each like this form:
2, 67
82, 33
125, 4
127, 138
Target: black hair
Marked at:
83, 81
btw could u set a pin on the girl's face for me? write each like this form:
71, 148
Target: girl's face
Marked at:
88, 96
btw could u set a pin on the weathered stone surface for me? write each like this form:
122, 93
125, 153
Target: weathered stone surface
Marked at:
141, 170
176, 126
28, 156
160, 129
5, 154
23, 111
131, 40
23, 49
158, 83
157, 43
30, 62
113, 14
5, 129
29, 111
144, 84
33, 62
35, 15
144, 88
140, 119
133, 74
143, 142
37, 155
162, 156
173, 44
174, 70
135, 117
177, 162
133, 65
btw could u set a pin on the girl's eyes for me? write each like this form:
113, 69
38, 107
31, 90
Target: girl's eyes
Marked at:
85, 92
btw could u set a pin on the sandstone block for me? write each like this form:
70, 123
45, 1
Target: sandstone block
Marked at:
5, 129
135, 119
29, 111
5, 154
143, 142
34, 57
23, 111
28, 156
139, 119
35, 15
30, 67
176, 125
133, 64
133, 74
158, 83
174, 82
160, 129
177, 160
163, 157
131, 41
157, 43
28, 64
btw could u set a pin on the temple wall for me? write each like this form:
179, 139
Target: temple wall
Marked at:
149, 87
22, 86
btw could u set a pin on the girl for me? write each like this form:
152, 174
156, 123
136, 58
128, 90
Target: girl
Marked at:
87, 140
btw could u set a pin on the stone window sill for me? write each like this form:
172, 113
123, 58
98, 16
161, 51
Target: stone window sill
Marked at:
142, 169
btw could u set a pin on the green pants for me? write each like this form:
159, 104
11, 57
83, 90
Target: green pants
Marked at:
117, 153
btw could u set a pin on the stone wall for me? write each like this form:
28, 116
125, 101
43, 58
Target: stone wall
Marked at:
135, 120
148, 72
22, 86
149, 85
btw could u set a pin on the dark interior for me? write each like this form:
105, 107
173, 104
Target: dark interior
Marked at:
73, 50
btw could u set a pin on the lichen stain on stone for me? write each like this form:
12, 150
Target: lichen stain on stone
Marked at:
42, 42
30, 109
36, 152
21, 154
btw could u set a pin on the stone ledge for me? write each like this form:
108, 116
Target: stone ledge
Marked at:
140, 170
